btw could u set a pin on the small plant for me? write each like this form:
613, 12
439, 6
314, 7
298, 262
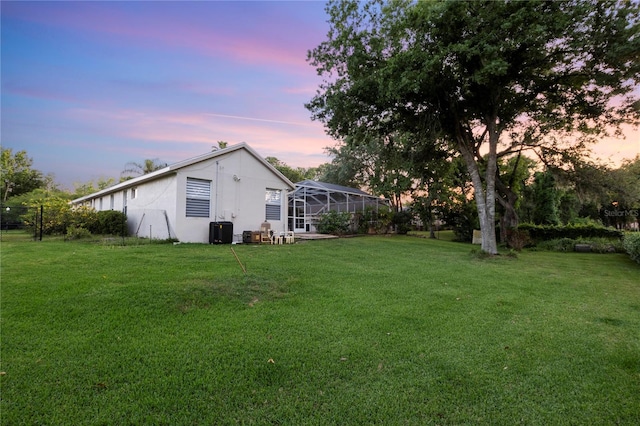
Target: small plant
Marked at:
631, 245
481, 255
512, 254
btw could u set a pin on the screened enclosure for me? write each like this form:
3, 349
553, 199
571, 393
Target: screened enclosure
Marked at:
311, 199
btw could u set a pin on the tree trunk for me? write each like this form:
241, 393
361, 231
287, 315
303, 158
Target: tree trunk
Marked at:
432, 233
484, 194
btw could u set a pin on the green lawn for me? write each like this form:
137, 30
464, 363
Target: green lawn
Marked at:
371, 330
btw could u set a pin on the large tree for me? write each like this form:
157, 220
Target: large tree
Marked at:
395, 166
18, 177
293, 174
82, 189
488, 78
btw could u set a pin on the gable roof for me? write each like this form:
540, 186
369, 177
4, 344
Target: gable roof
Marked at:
172, 168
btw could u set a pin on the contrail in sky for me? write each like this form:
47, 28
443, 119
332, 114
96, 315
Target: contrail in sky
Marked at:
237, 117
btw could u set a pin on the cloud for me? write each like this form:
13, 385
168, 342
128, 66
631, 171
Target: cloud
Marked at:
264, 120
308, 90
214, 29
199, 132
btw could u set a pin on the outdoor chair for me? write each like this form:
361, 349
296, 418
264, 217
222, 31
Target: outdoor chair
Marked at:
265, 233
278, 238
289, 237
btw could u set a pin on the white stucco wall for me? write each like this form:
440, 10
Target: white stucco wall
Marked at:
239, 200
151, 214
239, 182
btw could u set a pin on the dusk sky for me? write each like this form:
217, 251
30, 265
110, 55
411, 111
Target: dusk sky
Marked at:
90, 86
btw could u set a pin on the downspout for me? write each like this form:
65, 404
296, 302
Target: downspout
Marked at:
215, 208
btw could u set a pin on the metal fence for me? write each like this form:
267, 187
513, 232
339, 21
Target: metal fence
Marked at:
22, 217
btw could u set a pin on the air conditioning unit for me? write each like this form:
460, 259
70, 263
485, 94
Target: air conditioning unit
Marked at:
220, 232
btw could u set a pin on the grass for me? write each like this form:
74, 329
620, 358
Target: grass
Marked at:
372, 330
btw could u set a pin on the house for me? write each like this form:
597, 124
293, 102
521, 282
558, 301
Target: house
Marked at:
234, 185
311, 199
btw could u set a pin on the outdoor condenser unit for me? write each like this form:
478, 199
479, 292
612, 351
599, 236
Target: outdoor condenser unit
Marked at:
220, 232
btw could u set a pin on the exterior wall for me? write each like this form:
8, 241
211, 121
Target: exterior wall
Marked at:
104, 202
156, 205
152, 212
237, 196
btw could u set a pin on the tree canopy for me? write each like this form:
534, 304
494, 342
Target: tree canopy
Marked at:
487, 78
294, 174
133, 169
18, 175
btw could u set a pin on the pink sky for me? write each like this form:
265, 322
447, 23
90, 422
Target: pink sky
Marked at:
90, 86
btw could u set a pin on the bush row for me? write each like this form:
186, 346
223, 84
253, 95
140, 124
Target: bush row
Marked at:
596, 245
107, 222
369, 220
58, 217
538, 233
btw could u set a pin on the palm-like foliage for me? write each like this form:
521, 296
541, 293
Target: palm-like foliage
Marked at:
133, 169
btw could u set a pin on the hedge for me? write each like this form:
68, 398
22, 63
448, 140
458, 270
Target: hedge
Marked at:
551, 232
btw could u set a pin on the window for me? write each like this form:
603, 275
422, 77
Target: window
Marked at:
111, 202
198, 197
134, 193
273, 199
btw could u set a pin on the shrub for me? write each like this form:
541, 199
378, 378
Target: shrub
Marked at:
631, 245
366, 219
384, 219
55, 215
463, 219
402, 221
518, 239
111, 222
373, 219
76, 233
333, 222
83, 217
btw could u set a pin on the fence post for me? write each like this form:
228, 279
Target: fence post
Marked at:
124, 222
35, 226
41, 214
